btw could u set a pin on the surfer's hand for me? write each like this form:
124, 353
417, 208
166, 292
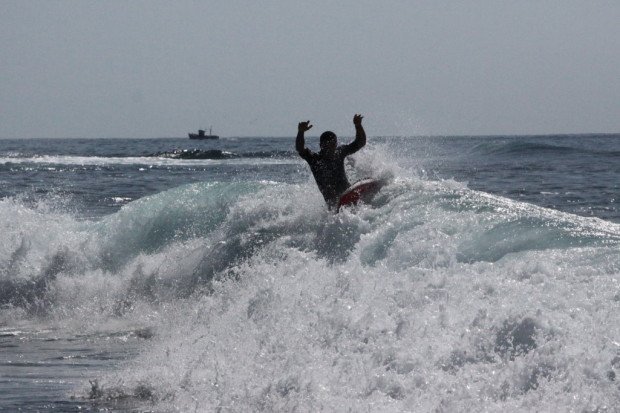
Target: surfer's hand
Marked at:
304, 126
357, 119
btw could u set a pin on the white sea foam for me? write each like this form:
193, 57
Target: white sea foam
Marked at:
435, 297
132, 160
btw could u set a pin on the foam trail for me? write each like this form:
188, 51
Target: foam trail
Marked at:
131, 160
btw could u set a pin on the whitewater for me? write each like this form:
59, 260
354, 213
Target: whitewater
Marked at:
241, 292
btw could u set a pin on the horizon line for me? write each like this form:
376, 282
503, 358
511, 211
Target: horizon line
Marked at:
498, 135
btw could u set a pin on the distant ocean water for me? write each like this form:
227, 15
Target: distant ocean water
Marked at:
178, 275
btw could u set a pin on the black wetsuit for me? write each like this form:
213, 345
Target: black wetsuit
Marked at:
328, 171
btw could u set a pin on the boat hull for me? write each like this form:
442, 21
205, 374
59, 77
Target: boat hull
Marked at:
197, 136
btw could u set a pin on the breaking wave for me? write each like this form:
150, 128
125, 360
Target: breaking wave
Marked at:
434, 297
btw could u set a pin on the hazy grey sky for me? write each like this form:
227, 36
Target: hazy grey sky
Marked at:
256, 68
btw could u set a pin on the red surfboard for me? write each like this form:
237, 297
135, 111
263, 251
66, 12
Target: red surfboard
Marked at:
361, 191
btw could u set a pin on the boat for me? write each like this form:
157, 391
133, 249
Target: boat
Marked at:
201, 135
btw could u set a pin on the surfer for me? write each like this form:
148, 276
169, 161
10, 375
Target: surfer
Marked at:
327, 165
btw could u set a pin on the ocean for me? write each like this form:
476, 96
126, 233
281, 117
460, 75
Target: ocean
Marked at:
175, 275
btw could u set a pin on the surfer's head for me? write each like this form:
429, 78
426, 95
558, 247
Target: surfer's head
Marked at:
328, 141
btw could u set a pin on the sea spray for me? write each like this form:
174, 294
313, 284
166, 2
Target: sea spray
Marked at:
389, 307
54, 264
240, 290
255, 297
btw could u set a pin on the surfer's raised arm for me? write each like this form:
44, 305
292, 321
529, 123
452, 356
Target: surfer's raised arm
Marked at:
300, 144
360, 136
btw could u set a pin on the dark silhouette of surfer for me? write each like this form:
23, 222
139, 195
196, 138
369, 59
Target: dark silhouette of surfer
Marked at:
327, 165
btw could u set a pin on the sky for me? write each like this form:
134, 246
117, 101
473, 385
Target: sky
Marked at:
256, 68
